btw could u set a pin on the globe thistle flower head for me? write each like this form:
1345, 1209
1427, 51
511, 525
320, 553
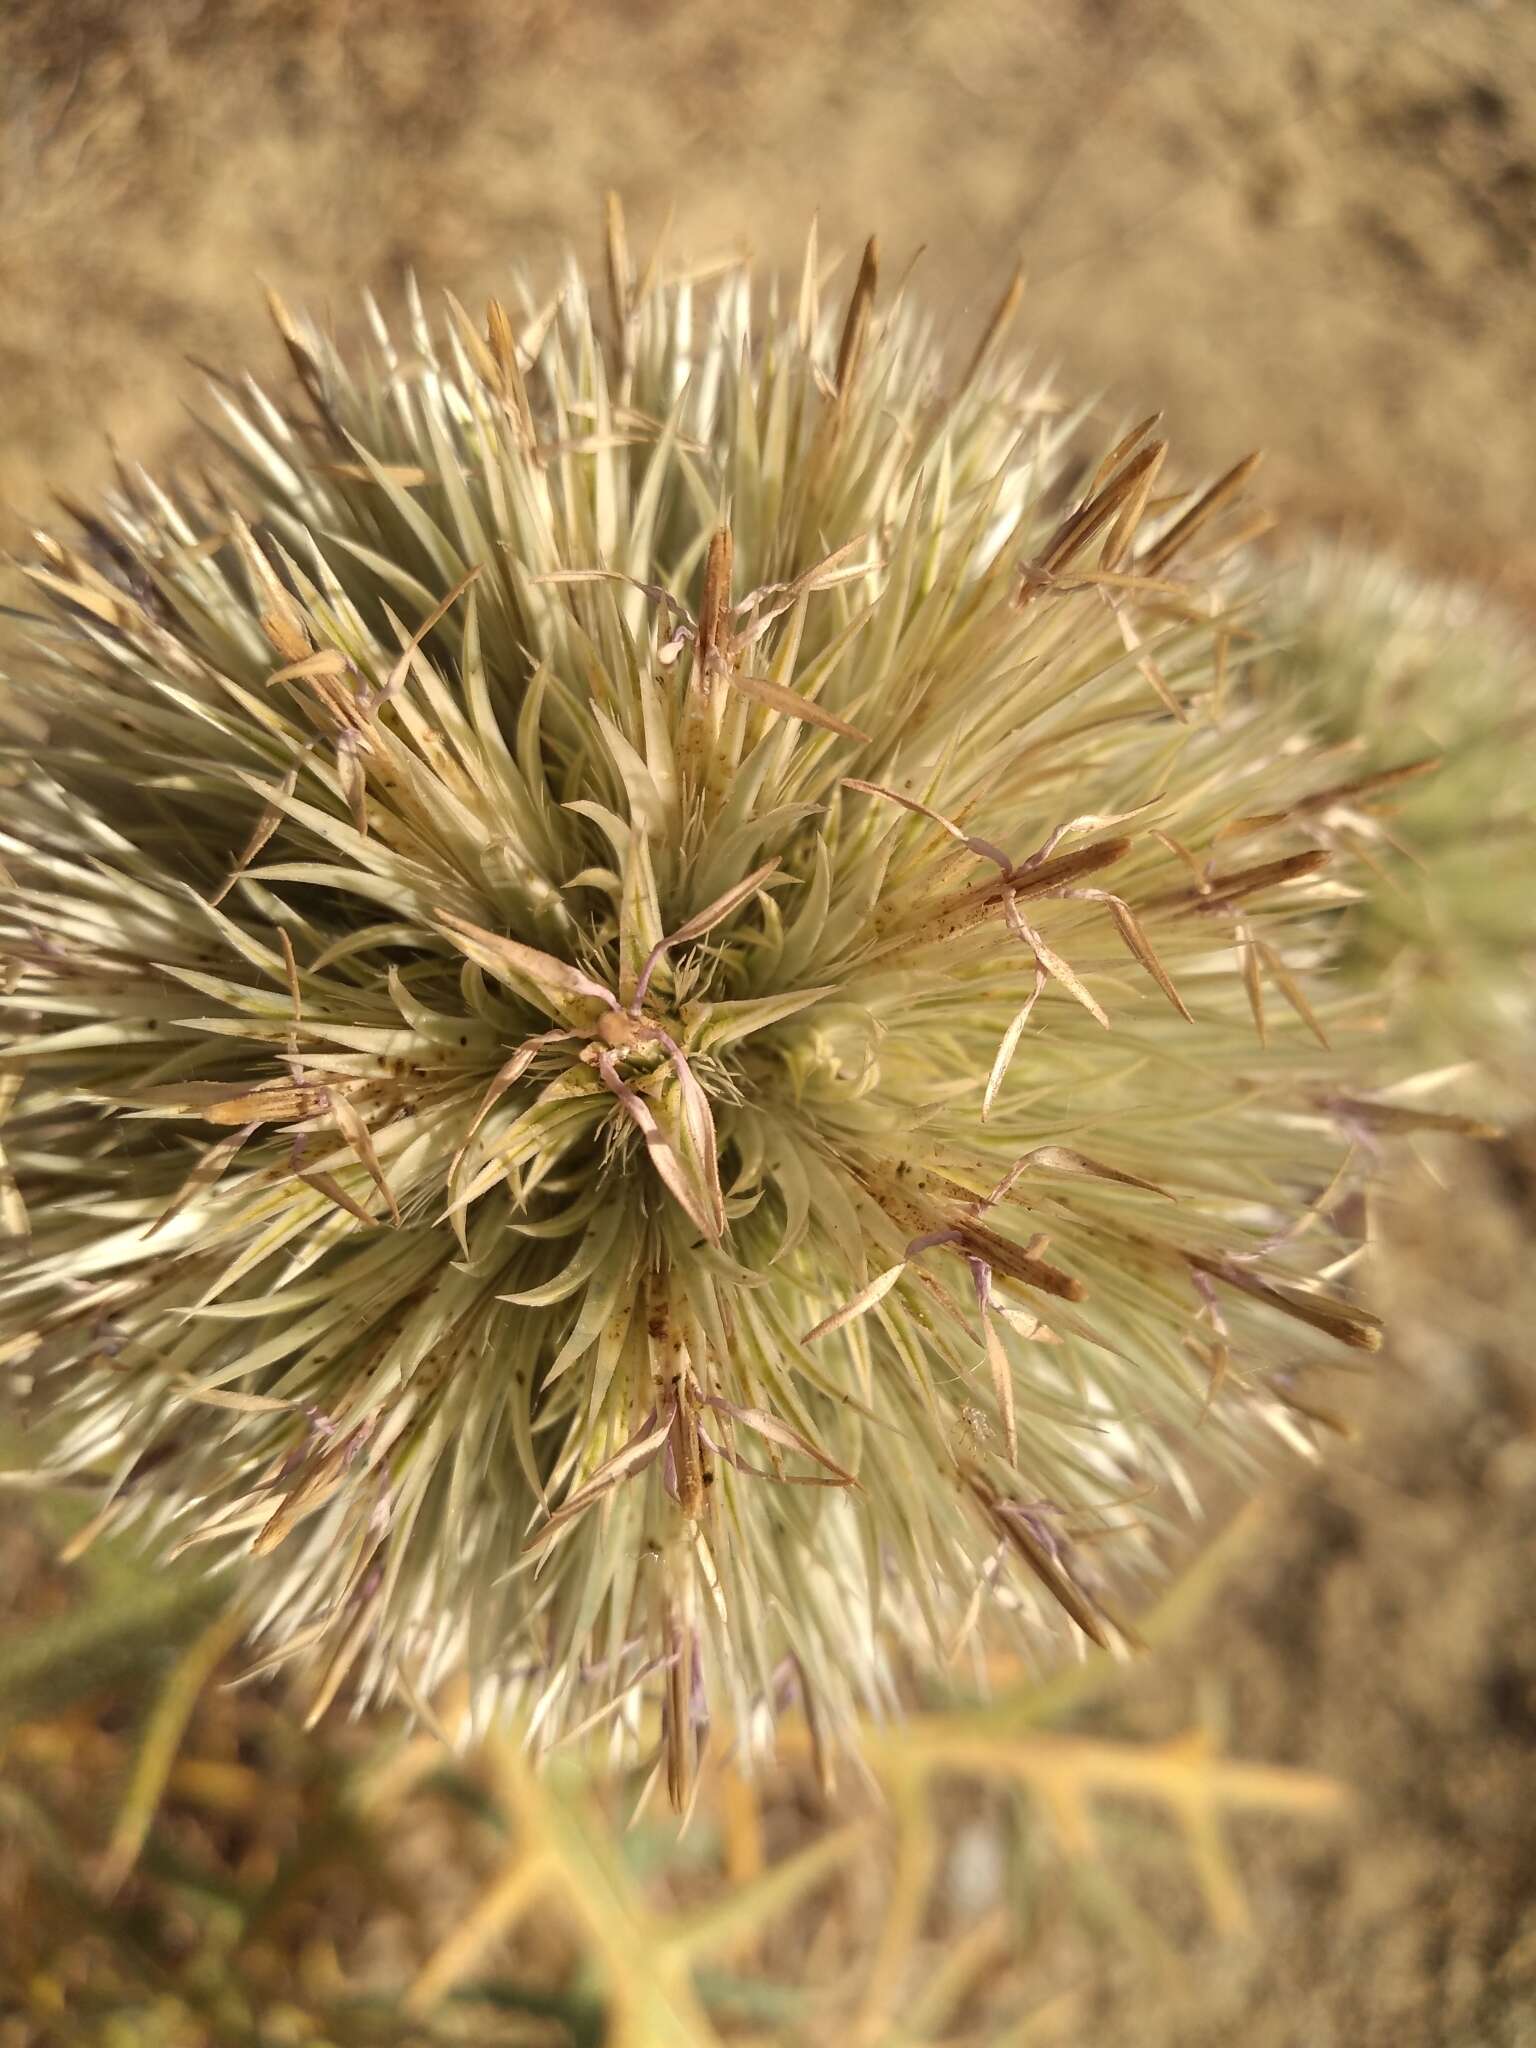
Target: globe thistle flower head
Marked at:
636, 936
1423, 690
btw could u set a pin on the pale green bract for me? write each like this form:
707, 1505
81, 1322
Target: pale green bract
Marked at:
634, 943
1396, 670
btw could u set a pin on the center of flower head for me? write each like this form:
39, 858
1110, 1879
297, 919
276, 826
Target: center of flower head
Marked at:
622, 1032
625, 1044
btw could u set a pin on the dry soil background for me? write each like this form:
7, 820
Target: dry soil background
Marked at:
1303, 225
1296, 223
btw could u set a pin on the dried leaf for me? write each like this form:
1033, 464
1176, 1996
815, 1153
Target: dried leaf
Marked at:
692, 1199
325, 1184
1398, 1119
277, 1103
227, 1397
616, 244
1002, 1386
268, 822
777, 1431
1053, 964
203, 1176
778, 697
861, 1303
1342, 1320
1253, 982
401, 668
1220, 892
314, 1489
1009, 1045
1205, 508
1017, 1262
1089, 519
1131, 640
907, 803
291, 973
713, 634
732, 899
504, 1078
850, 347
325, 662
647, 1443
998, 324
1061, 1159
509, 960
1291, 989
1141, 946
699, 1128
356, 1133
1365, 785
503, 348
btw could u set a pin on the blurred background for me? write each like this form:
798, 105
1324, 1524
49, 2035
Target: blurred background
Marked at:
1307, 227
1310, 228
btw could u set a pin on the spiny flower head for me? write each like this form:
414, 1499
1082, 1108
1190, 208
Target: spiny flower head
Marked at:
635, 935
1424, 690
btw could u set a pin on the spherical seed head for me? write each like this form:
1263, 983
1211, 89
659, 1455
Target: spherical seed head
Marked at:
638, 939
1422, 689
